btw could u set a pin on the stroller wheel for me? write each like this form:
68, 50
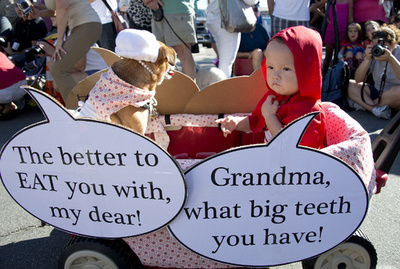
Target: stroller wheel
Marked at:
80, 253
356, 252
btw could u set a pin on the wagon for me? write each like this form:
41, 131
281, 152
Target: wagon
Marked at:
186, 129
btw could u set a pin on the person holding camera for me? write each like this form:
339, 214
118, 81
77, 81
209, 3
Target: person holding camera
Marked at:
382, 60
25, 35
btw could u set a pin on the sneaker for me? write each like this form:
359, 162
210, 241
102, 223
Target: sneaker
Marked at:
383, 112
354, 105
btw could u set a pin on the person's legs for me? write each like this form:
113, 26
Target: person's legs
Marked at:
391, 98
8, 96
76, 45
186, 58
179, 32
227, 45
354, 93
328, 57
370, 103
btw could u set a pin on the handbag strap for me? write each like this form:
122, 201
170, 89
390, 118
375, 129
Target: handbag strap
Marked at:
381, 87
331, 4
107, 5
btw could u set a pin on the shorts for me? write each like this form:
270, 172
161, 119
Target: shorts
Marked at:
91, 72
374, 92
175, 29
278, 24
354, 51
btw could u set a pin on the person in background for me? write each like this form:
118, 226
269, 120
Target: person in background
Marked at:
287, 13
344, 12
253, 44
85, 29
396, 19
5, 32
176, 29
108, 33
86, 66
351, 47
7, 10
11, 78
384, 94
139, 15
316, 20
25, 35
369, 28
370, 10
226, 43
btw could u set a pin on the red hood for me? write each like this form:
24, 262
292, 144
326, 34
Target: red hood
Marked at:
306, 46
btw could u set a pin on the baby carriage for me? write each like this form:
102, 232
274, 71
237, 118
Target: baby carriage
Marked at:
189, 133
186, 129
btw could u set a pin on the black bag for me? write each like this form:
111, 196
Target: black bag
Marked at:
335, 84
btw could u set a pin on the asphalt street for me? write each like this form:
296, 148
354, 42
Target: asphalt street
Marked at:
25, 243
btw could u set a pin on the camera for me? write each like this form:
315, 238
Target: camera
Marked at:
378, 50
37, 50
33, 53
25, 6
158, 14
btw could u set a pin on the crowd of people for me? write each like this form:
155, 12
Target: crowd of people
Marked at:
78, 25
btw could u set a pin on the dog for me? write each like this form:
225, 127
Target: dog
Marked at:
125, 93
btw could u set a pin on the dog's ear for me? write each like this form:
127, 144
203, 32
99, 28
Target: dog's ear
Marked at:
167, 54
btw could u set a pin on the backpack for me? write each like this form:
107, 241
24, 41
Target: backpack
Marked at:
335, 84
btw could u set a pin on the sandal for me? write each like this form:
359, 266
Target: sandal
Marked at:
8, 115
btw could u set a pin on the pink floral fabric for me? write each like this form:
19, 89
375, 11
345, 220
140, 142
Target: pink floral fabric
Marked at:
111, 94
158, 126
349, 142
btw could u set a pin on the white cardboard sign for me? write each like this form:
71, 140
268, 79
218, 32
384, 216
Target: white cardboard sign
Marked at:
267, 205
89, 177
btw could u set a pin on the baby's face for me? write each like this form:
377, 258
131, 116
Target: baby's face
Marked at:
281, 74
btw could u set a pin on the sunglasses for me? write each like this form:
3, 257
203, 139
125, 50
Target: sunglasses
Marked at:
384, 35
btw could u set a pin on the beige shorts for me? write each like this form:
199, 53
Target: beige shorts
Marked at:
184, 26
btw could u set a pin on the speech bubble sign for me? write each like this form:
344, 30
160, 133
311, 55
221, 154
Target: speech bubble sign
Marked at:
89, 177
267, 205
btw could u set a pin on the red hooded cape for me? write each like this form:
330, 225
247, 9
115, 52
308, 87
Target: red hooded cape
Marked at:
306, 46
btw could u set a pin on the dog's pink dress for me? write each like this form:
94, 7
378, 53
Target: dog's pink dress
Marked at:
111, 94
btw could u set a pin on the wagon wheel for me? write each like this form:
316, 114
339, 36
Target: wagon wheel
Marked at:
356, 252
80, 253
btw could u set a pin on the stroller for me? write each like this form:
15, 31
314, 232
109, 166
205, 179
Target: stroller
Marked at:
186, 129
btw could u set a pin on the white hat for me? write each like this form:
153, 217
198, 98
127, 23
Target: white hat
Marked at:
137, 44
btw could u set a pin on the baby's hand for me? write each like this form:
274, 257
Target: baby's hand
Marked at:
270, 107
228, 124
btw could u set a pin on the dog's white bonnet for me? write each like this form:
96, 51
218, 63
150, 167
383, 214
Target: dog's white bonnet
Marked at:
137, 44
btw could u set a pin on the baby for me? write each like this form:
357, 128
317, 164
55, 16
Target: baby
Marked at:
292, 70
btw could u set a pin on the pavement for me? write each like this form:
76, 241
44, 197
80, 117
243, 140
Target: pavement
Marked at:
25, 243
